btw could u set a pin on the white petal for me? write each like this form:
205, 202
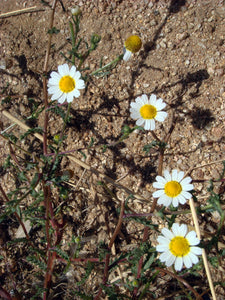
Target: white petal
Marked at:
174, 175
147, 125
61, 70
170, 260
186, 195
178, 263
127, 55
66, 69
152, 124
54, 75
196, 250
164, 256
175, 228
69, 97
158, 194
192, 238
76, 93
167, 233
165, 200
139, 101
175, 202
135, 115
179, 230
187, 261
163, 241
72, 72
193, 258
144, 99
160, 104
140, 122
186, 180
56, 95
167, 175
181, 199
161, 115
161, 248
62, 98
180, 176
187, 187
80, 84
53, 82
183, 230
158, 185
77, 76
152, 99
161, 179
53, 89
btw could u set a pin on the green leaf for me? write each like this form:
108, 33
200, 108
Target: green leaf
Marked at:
54, 30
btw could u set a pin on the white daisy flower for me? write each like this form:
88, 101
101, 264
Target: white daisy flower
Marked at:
173, 188
65, 84
132, 45
146, 111
178, 247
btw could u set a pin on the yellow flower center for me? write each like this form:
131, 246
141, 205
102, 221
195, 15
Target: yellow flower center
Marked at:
179, 246
67, 84
133, 43
172, 188
148, 111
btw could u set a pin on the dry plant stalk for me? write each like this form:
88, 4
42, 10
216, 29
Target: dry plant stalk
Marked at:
78, 161
204, 257
20, 11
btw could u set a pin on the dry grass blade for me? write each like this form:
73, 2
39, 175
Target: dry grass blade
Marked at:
79, 162
21, 11
205, 261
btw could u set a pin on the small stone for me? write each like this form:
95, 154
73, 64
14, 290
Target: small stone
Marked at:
182, 36
216, 133
204, 138
220, 72
153, 22
163, 44
170, 45
187, 62
211, 71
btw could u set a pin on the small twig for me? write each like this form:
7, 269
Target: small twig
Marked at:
205, 261
81, 163
204, 165
16, 214
179, 278
117, 230
21, 11
21, 124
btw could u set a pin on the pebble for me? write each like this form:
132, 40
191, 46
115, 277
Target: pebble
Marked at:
217, 133
220, 72
204, 138
211, 71
153, 22
182, 36
163, 44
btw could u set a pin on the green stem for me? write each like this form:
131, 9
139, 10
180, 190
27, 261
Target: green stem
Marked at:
73, 40
115, 61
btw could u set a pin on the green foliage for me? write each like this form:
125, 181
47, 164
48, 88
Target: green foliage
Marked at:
154, 144
53, 30
31, 131
89, 268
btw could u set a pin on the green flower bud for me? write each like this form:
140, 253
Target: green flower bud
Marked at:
76, 11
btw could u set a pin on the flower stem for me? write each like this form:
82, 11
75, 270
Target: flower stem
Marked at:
107, 66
